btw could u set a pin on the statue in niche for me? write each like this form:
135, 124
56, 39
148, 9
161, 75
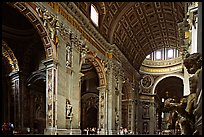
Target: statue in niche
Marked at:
186, 107
145, 128
102, 101
68, 55
117, 119
68, 109
145, 111
38, 107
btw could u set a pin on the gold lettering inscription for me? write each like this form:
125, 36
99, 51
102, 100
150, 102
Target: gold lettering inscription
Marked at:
162, 70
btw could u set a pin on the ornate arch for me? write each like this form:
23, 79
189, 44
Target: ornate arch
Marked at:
9, 56
179, 75
28, 10
36, 76
97, 63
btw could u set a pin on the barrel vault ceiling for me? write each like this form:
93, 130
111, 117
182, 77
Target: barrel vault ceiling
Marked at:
138, 28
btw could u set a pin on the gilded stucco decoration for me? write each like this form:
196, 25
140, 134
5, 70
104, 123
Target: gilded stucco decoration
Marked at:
50, 22
8, 54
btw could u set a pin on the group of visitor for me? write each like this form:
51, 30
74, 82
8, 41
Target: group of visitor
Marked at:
124, 131
92, 130
7, 128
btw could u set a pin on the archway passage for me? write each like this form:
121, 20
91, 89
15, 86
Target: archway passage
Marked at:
89, 97
37, 101
169, 87
24, 43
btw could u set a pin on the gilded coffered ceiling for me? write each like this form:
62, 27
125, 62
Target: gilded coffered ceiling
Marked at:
138, 28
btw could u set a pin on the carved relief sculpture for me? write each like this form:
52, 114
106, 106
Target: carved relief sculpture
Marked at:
145, 111
50, 22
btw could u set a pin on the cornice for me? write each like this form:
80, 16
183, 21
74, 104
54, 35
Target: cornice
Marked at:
85, 22
81, 26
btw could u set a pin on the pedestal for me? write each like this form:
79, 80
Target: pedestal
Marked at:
50, 131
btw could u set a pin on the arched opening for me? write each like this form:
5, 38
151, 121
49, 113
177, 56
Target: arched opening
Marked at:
89, 97
36, 90
25, 43
169, 87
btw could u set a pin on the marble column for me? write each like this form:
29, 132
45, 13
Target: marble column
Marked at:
51, 97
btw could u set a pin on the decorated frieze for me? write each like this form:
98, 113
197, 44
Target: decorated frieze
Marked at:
176, 68
162, 63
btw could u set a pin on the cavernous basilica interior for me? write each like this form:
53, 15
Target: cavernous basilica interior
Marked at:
108, 68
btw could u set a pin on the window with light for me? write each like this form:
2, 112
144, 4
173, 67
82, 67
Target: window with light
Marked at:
170, 53
94, 15
148, 56
158, 55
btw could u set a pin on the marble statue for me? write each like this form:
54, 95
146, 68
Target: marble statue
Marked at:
186, 108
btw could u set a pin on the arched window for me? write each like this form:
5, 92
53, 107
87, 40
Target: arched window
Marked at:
94, 14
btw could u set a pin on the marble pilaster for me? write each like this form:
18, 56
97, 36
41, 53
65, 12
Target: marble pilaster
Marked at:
102, 109
51, 97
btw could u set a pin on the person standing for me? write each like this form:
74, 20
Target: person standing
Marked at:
5, 128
